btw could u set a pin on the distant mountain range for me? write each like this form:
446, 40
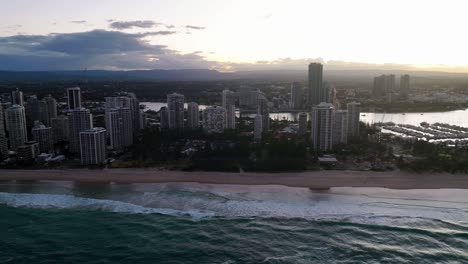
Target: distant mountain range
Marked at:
200, 75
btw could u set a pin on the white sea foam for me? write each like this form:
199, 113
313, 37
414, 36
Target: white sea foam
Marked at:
360, 205
60, 201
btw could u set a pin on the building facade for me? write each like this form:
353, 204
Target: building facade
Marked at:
74, 98
340, 127
297, 98
354, 113
43, 135
120, 127
316, 93
322, 127
302, 128
60, 128
229, 99
175, 107
214, 119
79, 119
93, 146
193, 116
16, 126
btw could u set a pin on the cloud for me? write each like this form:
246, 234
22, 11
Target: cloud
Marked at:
120, 25
194, 27
79, 22
97, 49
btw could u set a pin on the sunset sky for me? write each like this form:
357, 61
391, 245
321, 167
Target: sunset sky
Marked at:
231, 35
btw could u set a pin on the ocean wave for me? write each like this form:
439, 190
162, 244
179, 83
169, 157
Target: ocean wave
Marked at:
62, 201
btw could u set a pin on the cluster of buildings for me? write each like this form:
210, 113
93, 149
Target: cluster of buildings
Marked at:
330, 125
385, 87
75, 126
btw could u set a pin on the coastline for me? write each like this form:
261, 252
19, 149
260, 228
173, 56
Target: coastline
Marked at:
312, 179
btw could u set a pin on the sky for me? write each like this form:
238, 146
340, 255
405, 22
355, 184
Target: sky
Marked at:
232, 35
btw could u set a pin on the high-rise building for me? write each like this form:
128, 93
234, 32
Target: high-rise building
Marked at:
74, 98
134, 109
28, 151
119, 127
302, 124
296, 96
322, 126
404, 85
354, 113
43, 135
50, 106
16, 126
316, 93
3, 138
17, 97
214, 119
114, 102
60, 128
32, 110
79, 119
340, 127
258, 127
143, 119
229, 99
43, 113
175, 107
164, 118
384, 85
244, 96
264, 110
93, 146
327, 89
193, 116
3, 147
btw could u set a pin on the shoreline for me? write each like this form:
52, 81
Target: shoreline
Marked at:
312, 179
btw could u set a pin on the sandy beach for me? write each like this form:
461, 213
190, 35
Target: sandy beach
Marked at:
315, 179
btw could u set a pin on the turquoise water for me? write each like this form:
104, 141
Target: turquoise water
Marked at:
192, 223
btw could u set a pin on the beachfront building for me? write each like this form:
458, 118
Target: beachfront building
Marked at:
120, 127
43, 135
322, 127
175, 107
340, 127
79, 119
302, 129
93, 146
264, 110
214, 119
258, 127
354, 113
193, 115
28, 151
229, 99
16, 126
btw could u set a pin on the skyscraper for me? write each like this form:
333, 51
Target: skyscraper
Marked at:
51, 108
3, 138
384, 85
43, 135
229, 103
316, 93
17, 97
258, 127
164, 118
296, 96
193, 115
175, 106
119, 127
340, 127
60, 128
302, 124
404, 85
79, 119
322, 126
16, 126
354, 113
93, 146
264, 110
74, 98
214, 119
32, 110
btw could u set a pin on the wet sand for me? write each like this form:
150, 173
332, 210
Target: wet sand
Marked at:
313, 179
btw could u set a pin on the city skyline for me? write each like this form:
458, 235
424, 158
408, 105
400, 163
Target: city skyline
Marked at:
185, 34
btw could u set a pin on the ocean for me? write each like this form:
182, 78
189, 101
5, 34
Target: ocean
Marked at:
64, 222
